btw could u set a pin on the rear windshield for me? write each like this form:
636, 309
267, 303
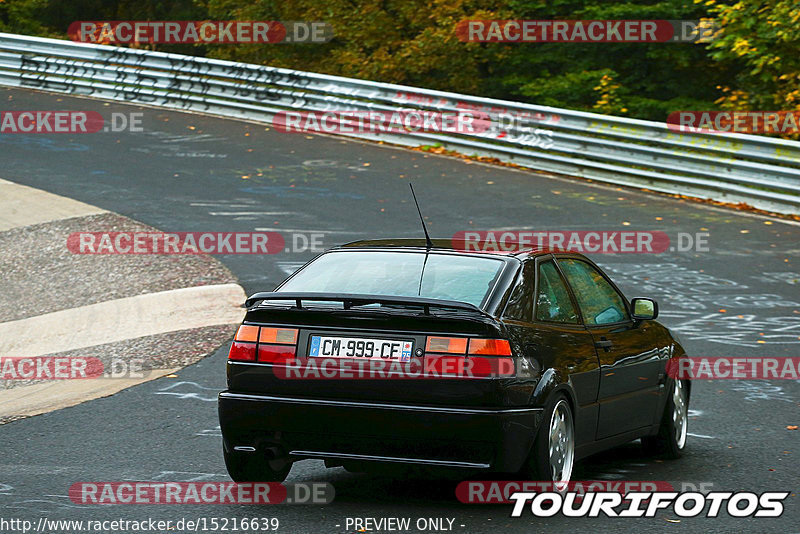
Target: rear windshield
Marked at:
404, 274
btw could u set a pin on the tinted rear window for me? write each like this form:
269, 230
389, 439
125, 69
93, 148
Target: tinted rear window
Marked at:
405, 274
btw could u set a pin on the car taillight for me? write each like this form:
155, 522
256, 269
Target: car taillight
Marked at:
445, 356
476, 357
448, 345
247, 332
275, 353
491, 366
242, 352
263, 343
487, 358
286, 336
493, 347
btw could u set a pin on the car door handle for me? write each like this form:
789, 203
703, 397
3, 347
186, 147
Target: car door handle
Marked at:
603, 344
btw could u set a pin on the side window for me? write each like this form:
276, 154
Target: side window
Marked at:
520, 303
553, 304
600, 303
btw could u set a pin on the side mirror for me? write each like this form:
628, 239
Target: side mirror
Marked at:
644, 308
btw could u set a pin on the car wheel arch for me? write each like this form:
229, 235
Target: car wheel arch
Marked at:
551, 384
551, 387
678, 353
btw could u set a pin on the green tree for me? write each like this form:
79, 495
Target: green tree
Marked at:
761, 42
402, 41
753, 64
650, 79
23, 16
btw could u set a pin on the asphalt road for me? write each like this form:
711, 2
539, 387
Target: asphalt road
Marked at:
192, 173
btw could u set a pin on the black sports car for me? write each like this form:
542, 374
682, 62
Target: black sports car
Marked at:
551, 364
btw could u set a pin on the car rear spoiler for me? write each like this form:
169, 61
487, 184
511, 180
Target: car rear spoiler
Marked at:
350, 300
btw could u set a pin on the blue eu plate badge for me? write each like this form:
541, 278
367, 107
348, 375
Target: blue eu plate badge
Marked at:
405, 355
314, 346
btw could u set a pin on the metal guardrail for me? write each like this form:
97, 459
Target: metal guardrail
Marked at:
760, 171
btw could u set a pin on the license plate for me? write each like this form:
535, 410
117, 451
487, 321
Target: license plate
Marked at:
359, 347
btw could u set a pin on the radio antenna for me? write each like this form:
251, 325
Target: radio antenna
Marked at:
424, 228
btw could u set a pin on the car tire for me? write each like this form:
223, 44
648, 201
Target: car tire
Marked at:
672, 434
552, 456
253, 467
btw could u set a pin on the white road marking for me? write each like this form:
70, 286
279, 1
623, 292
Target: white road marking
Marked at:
700, 436
237, 213
215, 432
220, 205
122, 319
96, 324
56, 394
184, 391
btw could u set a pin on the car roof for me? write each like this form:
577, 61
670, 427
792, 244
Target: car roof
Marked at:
441, 245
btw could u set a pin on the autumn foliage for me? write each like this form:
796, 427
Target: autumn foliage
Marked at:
751, 64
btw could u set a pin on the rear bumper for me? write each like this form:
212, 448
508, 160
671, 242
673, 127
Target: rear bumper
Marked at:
482, 438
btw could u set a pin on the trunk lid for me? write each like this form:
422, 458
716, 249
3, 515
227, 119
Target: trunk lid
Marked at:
379, 320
